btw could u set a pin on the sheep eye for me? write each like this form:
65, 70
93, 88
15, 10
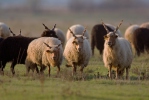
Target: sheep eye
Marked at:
76, 43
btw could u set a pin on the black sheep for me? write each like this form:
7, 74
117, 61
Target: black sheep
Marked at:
141, 40
15, 48
97, 37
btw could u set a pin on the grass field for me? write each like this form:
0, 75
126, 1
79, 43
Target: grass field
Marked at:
66, 87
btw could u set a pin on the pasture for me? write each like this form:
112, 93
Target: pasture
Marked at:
96, 85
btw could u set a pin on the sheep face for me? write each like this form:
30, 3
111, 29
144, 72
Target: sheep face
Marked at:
110, 39
78, 43
53, 51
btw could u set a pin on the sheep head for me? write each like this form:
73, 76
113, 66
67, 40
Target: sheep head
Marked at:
52, 51
110, 38
78, 41
49, 33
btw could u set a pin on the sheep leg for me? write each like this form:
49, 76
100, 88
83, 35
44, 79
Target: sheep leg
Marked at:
27, 70
92, 45
81, 70
127, 73
3, 64
37, 70
110, 68
117, 77
49, 70
58, 71
74, 70
12, 66
42, 69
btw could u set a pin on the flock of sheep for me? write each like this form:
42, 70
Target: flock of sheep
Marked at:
52, 48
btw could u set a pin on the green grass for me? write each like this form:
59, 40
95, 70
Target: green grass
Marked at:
66, 87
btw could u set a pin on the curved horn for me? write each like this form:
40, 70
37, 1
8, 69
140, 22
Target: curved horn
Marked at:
47, 45
54, 27
84, 32
12, 32
45, 26
118, 26
72, 32
105, 26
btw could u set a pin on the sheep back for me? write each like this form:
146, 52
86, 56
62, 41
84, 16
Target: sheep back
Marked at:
129, 32
60, 34
141, 40
145, 25
77, 30
4, 30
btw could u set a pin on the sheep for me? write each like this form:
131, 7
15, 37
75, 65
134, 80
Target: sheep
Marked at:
117, 53
129, 33
60, 34
77, 30
145, 25
4, 30
141, 40
44, 52
14, 49
77, 52
97, 34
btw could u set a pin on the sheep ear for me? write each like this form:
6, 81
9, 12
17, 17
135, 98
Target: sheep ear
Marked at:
48, 51
105, 37
74, 42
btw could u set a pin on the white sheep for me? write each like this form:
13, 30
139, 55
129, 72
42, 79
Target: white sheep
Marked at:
117, 54
145, 25
44, 52
77, 30
77, 52
60, 35
4, 30
129, 33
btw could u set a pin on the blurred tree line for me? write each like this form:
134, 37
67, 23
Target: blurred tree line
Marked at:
87, 5
37, 6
